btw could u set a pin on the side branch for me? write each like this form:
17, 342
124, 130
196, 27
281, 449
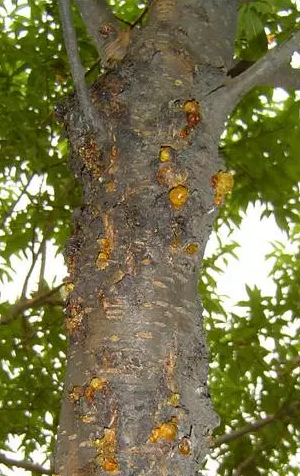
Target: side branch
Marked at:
13, 205
35, 468
35, 257
23, 304
263, 70
285, 412
285, 77
246, 463
251, 428
76, 67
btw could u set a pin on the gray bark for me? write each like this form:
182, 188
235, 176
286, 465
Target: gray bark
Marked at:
136, 398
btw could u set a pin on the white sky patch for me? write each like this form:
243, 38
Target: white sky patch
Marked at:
14, 443
54, 273
252, 268
295, 61
279, 95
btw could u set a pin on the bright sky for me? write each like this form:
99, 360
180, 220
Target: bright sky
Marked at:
252, 268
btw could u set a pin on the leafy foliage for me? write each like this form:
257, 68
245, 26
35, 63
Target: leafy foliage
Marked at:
37, 195
261, 145
127, 10
261, 22
255, 376
255, 352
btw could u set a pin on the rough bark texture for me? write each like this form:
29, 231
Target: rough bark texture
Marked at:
136, 399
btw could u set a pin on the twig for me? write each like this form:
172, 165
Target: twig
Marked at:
43, 251
290, 365
23, 304
35, 468
251, 428
244, 464
33, 263
250, 460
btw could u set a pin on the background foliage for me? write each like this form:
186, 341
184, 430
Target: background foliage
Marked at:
254, 349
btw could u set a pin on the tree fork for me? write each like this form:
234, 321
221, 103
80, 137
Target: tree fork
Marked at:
136, 399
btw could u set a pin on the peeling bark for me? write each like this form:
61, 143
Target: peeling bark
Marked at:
136, 399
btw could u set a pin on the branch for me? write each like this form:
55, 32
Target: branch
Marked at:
244, 464
258, 424
25, 465
32, 266
251, 428
76, 67
43, 263
265, 70
285, 77
23, 304
13, 206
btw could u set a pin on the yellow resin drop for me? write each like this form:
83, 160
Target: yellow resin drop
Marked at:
165, 154
184, 446
192, 248
167, 430
97, 383
191, 107
222, 183
110, 465
110, 186
178, 196
102, 260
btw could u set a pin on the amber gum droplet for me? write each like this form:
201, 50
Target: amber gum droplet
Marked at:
184, 446
110, 465
102, 256
174, 399
192, 248
178, 196
114, 151
69, 287
191, 107
167, 430
104, 242
111, 186
97, 383
114, 338
165, 154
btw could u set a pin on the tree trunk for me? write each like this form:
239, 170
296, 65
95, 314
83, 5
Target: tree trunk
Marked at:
136, 399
